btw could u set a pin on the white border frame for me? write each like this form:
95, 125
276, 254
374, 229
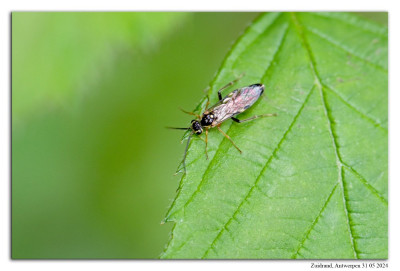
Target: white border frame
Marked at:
179, 5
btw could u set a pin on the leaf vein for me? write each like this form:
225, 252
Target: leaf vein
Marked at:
363, 115
367, 184
256, 38
294, 256
333, 15
343, 48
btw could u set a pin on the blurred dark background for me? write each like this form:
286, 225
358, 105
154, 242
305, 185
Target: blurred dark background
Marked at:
92, 164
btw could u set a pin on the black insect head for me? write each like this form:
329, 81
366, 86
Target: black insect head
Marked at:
196, 127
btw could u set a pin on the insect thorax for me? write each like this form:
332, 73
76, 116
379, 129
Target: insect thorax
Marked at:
207, 119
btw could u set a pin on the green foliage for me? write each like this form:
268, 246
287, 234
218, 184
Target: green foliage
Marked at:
92, 93
311, 182
57, 51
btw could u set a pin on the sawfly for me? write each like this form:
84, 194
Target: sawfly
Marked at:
226, 108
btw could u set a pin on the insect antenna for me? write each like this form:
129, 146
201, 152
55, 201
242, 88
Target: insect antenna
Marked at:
190, 113
177, 128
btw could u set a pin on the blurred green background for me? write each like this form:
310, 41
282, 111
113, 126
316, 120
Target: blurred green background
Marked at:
92, 164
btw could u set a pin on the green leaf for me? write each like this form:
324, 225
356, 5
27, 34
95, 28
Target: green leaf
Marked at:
311, 182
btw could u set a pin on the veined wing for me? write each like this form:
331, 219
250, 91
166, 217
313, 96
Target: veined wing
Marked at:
235, 103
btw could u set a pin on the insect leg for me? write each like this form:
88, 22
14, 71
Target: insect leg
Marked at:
254, 117
225, 135
186, 149
190, 113
228, 85
206, 143
207, 104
